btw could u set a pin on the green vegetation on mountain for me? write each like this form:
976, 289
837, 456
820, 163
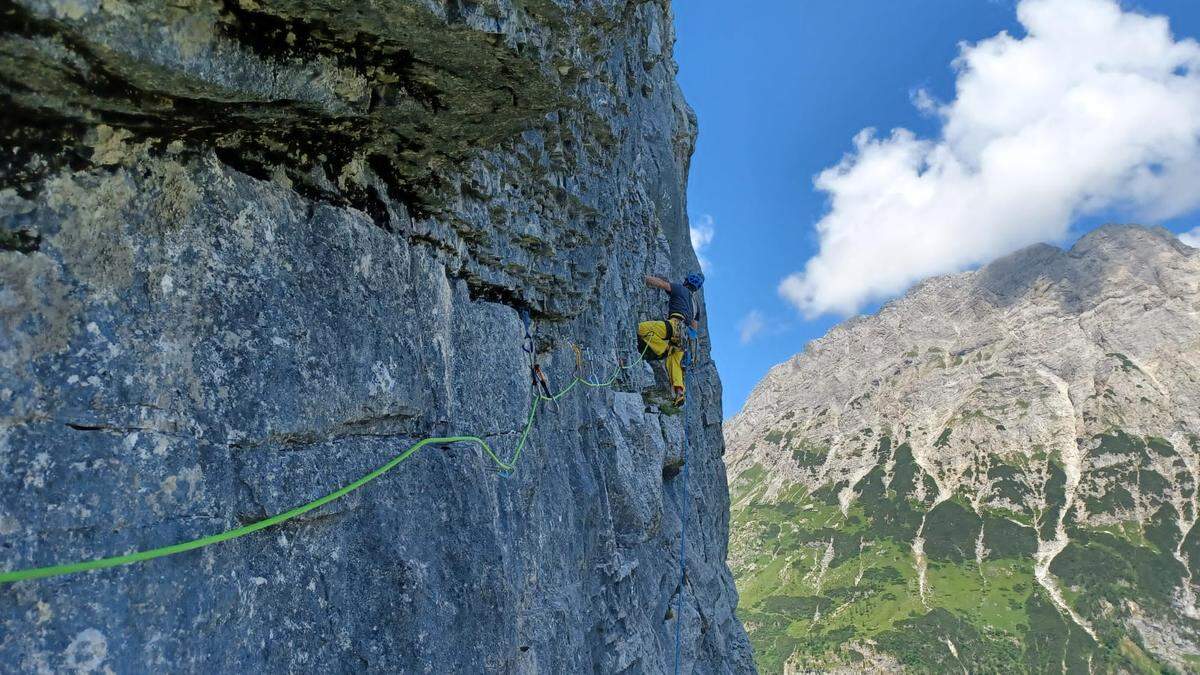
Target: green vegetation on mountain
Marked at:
824, 586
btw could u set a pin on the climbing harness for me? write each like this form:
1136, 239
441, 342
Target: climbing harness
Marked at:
540, 395
673, 328
675, 334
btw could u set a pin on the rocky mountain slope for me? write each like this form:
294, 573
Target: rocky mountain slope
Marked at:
996, 472
251, 250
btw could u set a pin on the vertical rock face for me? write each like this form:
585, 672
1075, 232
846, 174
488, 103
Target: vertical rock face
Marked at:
995, 473
250, 251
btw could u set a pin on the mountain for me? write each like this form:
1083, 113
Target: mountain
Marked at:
251, 250
996, 472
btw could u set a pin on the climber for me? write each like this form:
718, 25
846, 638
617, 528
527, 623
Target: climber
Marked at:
659, 340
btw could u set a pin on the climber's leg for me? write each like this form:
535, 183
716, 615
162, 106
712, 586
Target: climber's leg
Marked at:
675, 373
654, 334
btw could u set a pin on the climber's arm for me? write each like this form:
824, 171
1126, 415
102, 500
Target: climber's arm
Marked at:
656, 282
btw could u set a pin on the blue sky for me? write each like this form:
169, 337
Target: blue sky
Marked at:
781, 88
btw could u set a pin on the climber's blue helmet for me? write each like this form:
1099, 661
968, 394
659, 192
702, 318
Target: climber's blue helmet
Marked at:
694, 281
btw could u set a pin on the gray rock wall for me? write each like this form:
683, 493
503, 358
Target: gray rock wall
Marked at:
251, 251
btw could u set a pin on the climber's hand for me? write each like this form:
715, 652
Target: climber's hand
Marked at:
658, 282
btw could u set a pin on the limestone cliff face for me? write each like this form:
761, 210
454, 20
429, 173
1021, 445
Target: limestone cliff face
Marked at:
996, 472
249, 251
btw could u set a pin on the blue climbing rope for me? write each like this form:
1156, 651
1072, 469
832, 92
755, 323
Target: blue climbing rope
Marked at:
683, 518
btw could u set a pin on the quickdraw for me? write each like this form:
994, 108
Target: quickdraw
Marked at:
689, 346
540, 381
578, 359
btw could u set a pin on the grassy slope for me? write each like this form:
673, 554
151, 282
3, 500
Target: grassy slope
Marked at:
797, 599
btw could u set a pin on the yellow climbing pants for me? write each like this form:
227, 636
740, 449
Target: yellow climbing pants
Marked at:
654, 333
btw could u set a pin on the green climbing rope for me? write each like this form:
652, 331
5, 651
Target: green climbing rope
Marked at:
140, 556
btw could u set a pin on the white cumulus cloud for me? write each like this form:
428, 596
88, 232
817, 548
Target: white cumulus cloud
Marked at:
702, 232
1191, 238
751, 325
1093, 108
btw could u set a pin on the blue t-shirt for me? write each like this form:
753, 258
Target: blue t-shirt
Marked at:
681, 303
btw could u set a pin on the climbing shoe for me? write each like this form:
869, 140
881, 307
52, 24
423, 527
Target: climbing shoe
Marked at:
679, 397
